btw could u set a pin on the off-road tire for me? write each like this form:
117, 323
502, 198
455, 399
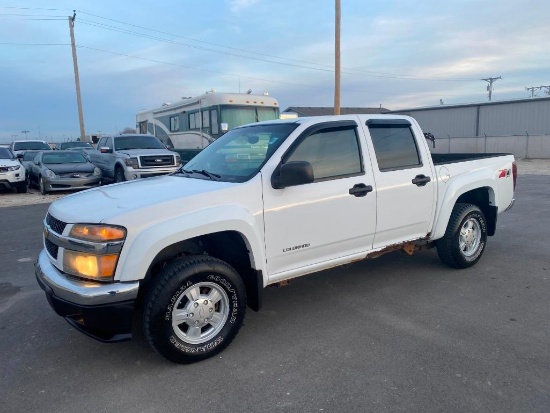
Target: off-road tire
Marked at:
465, 238
194, 309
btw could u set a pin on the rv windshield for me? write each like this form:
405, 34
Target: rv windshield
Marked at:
242, 115
239, 154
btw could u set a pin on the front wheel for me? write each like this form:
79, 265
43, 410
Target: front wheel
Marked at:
119, 175
42, 186
22, 187
194, 309
465, 238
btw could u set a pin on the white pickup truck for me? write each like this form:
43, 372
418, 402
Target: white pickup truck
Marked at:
262, 204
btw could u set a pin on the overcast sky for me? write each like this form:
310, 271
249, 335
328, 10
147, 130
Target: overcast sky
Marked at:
138, 54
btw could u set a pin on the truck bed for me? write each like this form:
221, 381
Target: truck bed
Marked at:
443, 158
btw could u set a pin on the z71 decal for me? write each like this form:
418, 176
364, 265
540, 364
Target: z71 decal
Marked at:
504, 173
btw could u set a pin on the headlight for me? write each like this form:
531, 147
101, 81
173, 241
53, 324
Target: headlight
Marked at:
50, 174
97, 171
133, 162
14, 168
101, 265
97, 233
178, 159
97, 267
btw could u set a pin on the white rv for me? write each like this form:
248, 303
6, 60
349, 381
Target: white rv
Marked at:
191, 124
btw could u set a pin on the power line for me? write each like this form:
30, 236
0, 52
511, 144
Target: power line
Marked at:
491, 80
347, 70
328, 68
532, 89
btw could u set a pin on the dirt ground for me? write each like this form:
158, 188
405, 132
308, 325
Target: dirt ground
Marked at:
33, 196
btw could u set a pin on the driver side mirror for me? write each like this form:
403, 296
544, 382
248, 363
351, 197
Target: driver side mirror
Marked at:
104, 149
292, 174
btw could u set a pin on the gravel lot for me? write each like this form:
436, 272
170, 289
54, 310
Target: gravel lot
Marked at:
8, 199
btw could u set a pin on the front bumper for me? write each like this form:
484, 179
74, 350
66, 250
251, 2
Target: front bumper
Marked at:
12, 179
99, 310
131, 173
66, 184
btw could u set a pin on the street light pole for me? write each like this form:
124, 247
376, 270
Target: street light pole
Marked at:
337, 58
25, 132
77, 80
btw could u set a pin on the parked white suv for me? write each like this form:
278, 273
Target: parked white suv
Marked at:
12, 173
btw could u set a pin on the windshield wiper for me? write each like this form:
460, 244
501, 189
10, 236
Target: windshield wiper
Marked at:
212, 176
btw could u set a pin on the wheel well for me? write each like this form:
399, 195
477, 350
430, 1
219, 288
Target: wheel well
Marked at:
483, 198
228, 246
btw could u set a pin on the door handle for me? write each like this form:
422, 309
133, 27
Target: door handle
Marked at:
360, 190
421, 180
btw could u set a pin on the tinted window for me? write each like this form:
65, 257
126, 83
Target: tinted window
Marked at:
137, 142
29, 155
331, 152
21, 146
394, 145
55, 157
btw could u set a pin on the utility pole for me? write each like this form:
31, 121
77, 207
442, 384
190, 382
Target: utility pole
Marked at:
532, 89
337, 58
25, 132
491, 80
77, 79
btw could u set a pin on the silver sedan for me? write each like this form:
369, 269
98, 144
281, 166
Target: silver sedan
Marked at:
63, 171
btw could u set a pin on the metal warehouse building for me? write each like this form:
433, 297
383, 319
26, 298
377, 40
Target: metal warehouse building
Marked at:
518, 126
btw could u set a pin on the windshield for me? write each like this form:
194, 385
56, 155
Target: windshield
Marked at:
239, 154
238, 115
21, 146
55, 157
66, 145
137, 142
29, 155
5, 153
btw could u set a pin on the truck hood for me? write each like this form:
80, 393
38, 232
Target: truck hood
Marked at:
144, 197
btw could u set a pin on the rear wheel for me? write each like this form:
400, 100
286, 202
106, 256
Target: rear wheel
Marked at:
194, 309
465, 238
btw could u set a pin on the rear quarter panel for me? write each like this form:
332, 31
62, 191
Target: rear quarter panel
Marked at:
457, 178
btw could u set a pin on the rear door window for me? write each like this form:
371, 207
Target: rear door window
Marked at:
394, 144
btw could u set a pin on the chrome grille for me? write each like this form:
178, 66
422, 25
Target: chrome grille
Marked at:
55, 224
160, 160
51, 247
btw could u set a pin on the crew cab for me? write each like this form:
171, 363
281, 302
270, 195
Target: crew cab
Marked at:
262, 204
126, 157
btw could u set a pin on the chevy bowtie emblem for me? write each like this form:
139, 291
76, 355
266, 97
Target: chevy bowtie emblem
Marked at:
158, 160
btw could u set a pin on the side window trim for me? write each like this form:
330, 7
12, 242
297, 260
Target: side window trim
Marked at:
328, 126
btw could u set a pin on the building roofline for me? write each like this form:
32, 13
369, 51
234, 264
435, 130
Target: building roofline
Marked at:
464, 105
